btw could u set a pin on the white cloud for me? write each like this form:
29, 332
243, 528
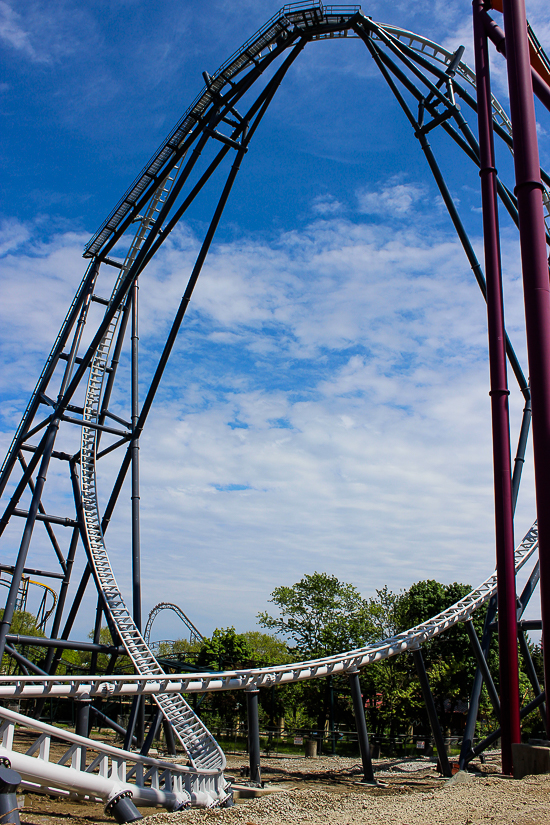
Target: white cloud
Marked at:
13, 233
326, 205
326, 408
13, 33
44, 33
392, 199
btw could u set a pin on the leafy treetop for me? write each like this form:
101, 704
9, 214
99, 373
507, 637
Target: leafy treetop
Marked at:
321, 615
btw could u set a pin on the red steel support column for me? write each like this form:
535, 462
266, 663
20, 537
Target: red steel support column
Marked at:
536, 286
504, 520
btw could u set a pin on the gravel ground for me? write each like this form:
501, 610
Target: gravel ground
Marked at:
410, 793
314, 791
495, 800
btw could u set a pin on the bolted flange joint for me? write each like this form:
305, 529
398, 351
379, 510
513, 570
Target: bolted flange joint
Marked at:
122, 808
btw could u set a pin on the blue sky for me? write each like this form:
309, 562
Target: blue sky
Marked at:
327, 404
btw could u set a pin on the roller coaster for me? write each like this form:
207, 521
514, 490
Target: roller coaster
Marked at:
194, 634
75, 390
44, 610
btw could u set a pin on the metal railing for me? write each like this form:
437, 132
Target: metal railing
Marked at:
88, 768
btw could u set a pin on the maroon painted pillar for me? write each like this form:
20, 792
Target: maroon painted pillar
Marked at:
536, 287
504, 520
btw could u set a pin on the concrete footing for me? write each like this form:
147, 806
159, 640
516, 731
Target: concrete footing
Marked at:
530, 759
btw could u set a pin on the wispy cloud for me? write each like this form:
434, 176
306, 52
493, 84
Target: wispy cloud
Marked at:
327, 205
326, 408
13, 33
39, 34
394, 198
13, 234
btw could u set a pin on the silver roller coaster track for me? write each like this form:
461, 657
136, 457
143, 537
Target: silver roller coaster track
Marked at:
194, 634
27, 687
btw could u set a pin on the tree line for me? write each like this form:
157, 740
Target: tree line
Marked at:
321, 616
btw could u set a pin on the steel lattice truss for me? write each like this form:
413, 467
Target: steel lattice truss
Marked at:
69, 421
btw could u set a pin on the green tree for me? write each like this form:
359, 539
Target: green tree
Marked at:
321, 615
224, 650
23, 624
448, 658
267, 649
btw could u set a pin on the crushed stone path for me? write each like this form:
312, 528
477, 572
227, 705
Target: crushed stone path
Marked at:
488, 800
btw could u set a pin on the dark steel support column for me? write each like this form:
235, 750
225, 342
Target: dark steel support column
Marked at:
226, 103
525, 711
111, 666
72, 614
82, 728
531, 672
79, 509
136, 702
62, 596
380, 58
361, 727
23, 661
82, 712
134, 447
42, 511
169, 736
536, 287
261, 104
97, 635
9, 609
44, 641
122, 808
110, 723
83, 294
115, 361
9, 782
504, 522
81, 303
496, 35
136, 553
331, 716
432, 713
471, 719
519, 460
484, 668
163, 360
528, 590
253, 736
154, 726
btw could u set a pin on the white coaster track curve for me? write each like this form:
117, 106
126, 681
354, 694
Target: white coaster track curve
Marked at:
203, 751
152, 781
206, 759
